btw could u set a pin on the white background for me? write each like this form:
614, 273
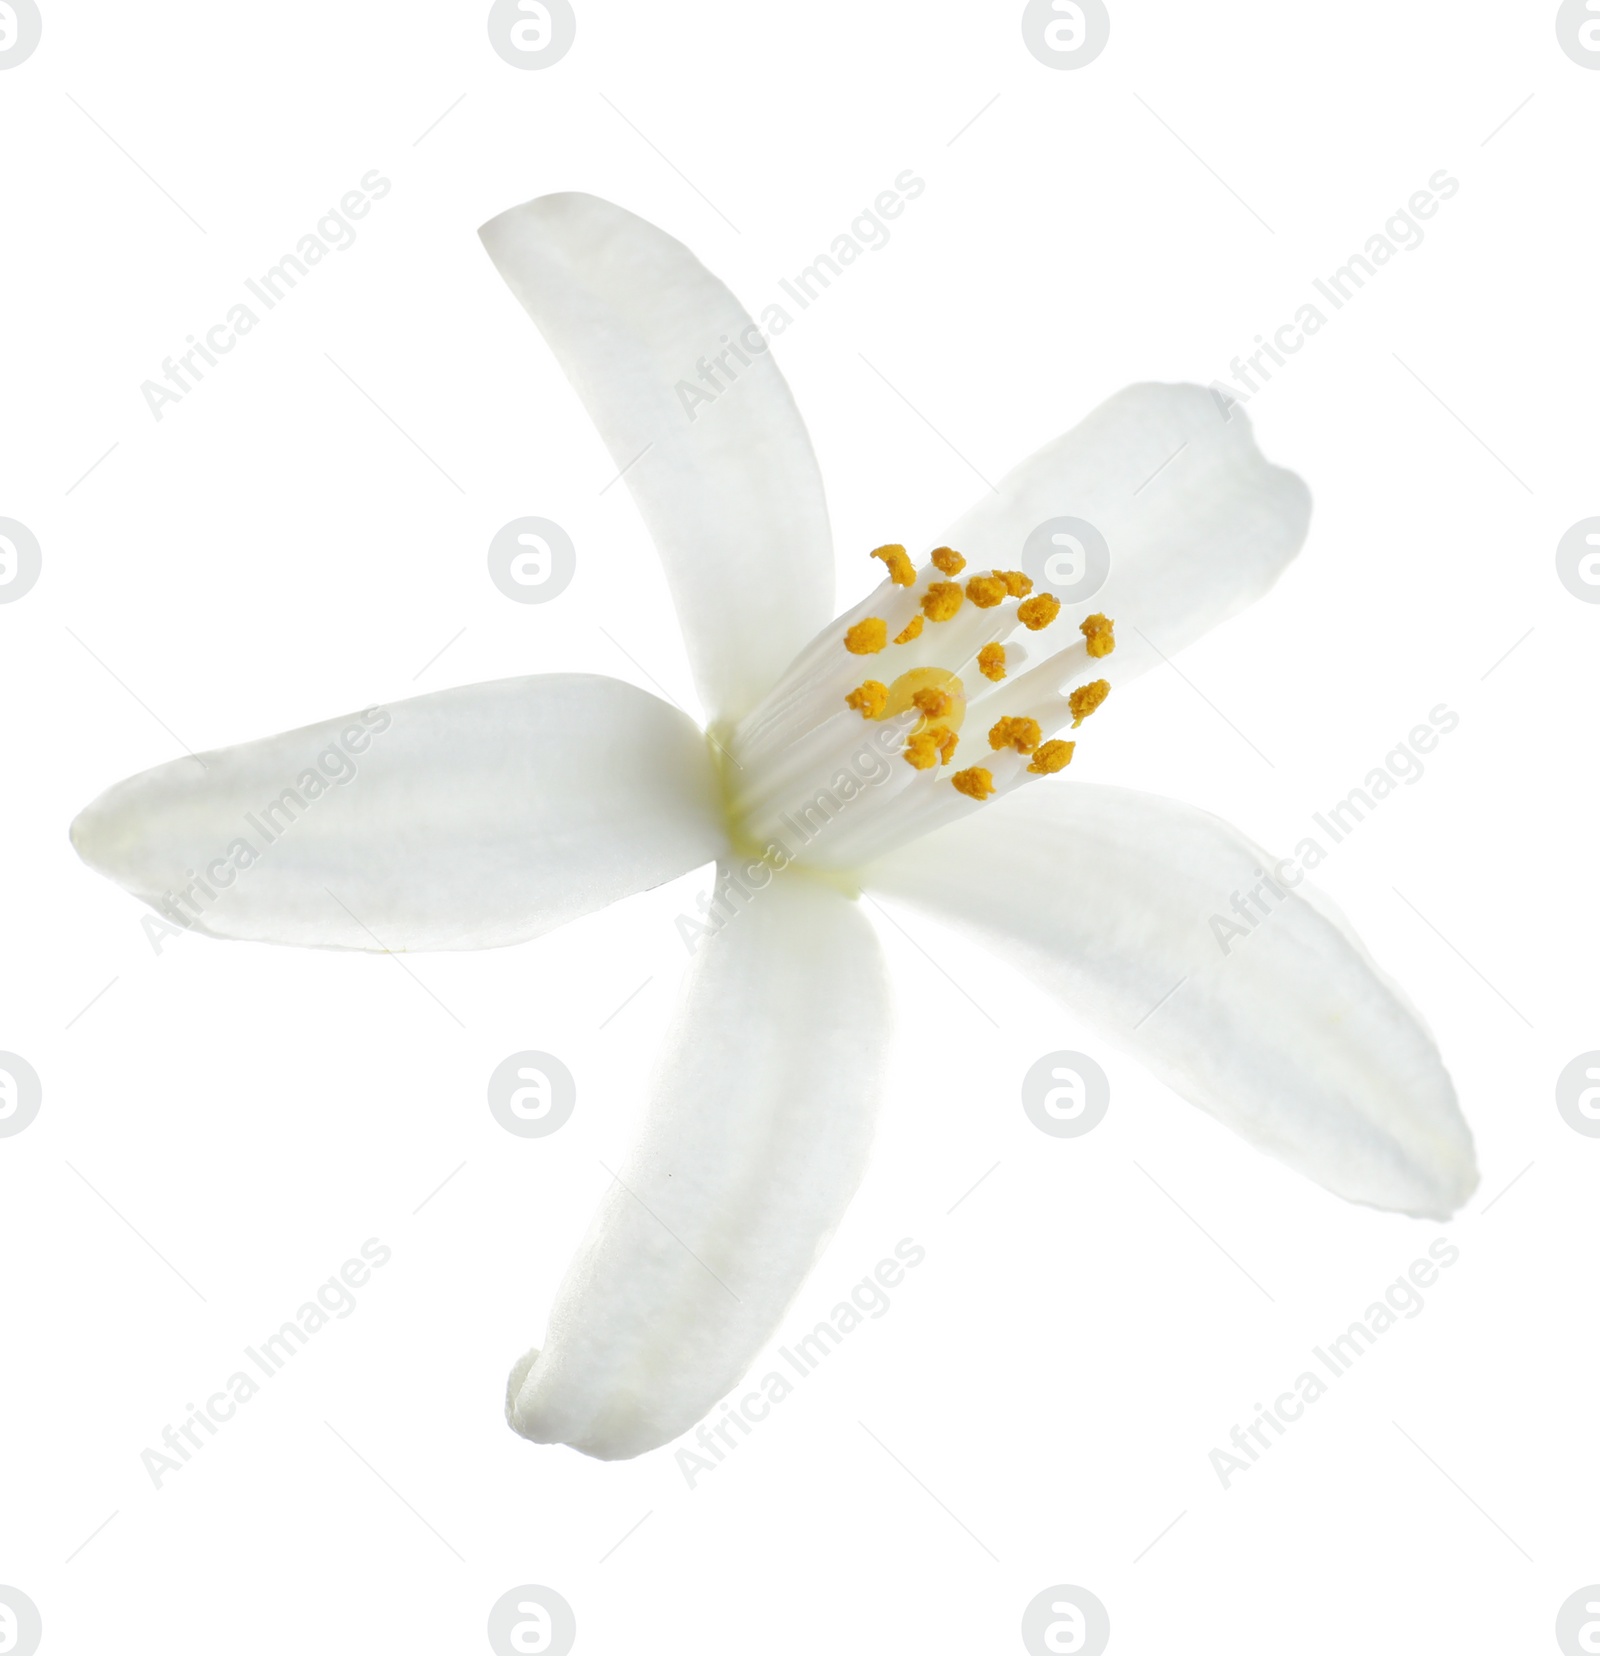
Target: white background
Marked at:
1052, 1379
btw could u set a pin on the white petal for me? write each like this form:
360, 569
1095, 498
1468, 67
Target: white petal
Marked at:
1196, 522
728, 487
461, 820
1293, 1036
753, 1143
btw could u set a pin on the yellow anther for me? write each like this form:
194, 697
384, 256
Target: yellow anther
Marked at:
901, 569
912, 629
869, 699
867, 637
1021, 734
1085, 699
1035, 613
1052, 757
941, 600
986, 591
1097, 630
975, 783
948, 561
992, 662
923, 688
947, 745
1017, 584
921, 751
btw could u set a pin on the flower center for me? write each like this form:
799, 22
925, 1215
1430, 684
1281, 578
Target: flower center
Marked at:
833, 769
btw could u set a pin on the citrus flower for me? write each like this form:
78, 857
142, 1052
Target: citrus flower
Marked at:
917, 747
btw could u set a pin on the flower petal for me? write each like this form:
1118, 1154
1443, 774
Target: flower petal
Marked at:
754, 1141
725, 478
461, 820
1287, 1032
1196, 523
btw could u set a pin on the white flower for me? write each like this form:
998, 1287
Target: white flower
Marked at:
491, 814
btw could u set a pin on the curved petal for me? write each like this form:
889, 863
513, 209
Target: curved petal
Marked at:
461, 820
1195, 523
752, 1145
715, 452
1287, 1032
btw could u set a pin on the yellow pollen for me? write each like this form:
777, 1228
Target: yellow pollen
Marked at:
1021, 734
947, 746
922, 750
1085, 699
901, 569
992, 662
912, 629
1035, 613
975, 783
948, 561
869, 699
1052, 757
867, 637
1097, 630
1018, 585
986, 591
941, 600
927, 688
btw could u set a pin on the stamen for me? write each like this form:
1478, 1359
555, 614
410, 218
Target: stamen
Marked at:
1018, 585
911, 630
922, 749
975, 783
1022, 734
992, 662
867, 637
948, 561
1085, 699
1052, 757
935, 703
1097, 629
1035, 613
941, 601
901, 569
987, 590
947, 744
869, 699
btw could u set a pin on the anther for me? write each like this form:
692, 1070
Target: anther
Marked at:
901, 569
941, 601
1085, 699
1021, 734
869, 699
1035, 613
992, 662
1097, 631
975, 783
867, 637
948, 561
986, 591
1052, 757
